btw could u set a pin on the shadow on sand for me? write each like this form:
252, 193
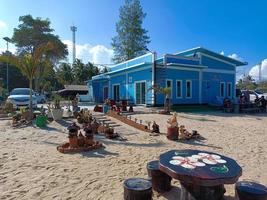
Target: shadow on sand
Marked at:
98, 153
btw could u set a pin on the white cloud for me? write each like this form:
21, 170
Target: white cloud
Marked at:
235, 56
254, 71
3, 25
98, 54
222, 53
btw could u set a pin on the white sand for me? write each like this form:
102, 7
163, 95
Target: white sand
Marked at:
31, 167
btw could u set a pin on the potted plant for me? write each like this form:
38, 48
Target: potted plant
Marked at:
57, 111
73, 135
172, 128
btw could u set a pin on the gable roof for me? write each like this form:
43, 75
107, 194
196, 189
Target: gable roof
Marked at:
211, 53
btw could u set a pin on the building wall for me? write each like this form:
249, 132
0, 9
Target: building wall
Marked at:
127, 80
212, 63
211, 86
173, 73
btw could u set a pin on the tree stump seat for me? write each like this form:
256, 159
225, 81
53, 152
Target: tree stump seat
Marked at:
247, 190
137, 189
161, 182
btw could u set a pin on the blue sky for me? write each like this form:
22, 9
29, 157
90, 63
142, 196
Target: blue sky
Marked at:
237, 28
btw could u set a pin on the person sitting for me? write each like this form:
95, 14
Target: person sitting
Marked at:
263, 104
257, 101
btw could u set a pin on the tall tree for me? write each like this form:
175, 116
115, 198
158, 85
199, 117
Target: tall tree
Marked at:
131, 40
33, 32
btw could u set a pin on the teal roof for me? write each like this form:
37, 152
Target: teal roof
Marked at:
193, 51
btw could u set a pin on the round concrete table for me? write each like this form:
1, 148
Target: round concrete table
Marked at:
202, 174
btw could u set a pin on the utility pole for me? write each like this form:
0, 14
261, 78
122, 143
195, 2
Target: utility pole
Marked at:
259, 72
73, 29
7, 39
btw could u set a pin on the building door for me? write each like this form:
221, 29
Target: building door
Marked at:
105, 93
116, 92
140, 92
169, 85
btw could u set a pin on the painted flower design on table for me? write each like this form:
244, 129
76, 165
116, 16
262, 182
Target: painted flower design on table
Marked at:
211, 159
186, 162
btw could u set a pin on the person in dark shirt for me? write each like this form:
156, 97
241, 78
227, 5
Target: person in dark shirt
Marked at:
263, 104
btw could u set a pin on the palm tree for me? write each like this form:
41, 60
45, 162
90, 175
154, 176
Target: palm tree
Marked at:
166, 91
30, 62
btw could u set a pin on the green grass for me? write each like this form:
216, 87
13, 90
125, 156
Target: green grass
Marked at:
193, 108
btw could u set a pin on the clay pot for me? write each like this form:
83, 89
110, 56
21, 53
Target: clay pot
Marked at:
73, 140
172, 133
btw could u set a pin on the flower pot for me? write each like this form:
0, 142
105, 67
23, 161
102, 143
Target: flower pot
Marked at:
73, 142
172, 133
57, 114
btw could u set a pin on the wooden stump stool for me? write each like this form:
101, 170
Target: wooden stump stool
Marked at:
137, 189
196, 192
246, 190
161, 182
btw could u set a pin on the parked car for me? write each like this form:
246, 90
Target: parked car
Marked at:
41, 98
254, 94
21, 97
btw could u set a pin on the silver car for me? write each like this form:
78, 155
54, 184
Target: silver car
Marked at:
20, 97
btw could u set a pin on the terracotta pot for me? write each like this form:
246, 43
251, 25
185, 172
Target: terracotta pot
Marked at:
73, 142
172, 133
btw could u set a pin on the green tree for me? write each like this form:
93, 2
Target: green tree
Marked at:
131, 40
83, 72
28, 63
246, 82
33, 32
64, 74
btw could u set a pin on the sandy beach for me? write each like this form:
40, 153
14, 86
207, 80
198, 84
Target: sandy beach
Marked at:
31, 167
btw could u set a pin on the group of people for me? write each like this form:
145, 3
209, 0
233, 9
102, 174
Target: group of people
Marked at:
261, 103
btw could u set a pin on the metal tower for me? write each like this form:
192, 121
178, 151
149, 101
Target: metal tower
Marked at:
260, 72
73, 29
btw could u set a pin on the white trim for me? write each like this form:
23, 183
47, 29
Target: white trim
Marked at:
200, 77
218, 59
125, 68
181, 88
104, 91
171, 86
113, 91
134, 70
127, 61
191, 87
231, 90
187, 65
222, 83
142, 81
182, 68
222, 71
181, 57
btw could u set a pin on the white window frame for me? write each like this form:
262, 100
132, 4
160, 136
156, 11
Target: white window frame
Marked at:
171, 86
142, 81
181, 88
190, 89
113, 91
222, 83
231, 89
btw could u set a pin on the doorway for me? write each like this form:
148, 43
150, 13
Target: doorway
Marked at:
140, 92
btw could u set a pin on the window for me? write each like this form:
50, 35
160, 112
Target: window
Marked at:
229, 89
188, 89
178, 89
222, 84
169, 85
116, 92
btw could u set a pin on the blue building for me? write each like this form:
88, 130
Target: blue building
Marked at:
195, 76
